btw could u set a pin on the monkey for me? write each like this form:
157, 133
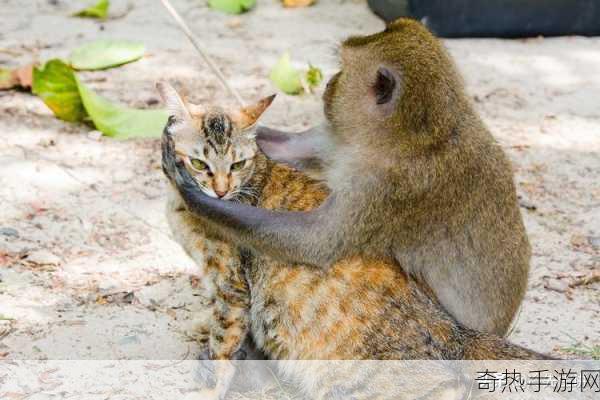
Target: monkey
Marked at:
414, 175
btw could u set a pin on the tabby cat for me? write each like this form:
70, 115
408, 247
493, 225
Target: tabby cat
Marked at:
219, 149
359, 309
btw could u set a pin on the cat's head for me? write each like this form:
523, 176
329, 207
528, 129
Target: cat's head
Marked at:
218, 146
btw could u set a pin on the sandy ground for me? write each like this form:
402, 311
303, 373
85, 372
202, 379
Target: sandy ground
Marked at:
88, 269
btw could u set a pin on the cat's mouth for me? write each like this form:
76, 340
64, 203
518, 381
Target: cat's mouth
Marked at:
208, 191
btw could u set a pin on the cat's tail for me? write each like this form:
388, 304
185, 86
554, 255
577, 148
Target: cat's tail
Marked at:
480, 346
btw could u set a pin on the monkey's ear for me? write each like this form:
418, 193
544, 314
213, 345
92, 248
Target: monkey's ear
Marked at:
249, 115
386, 86
176, 107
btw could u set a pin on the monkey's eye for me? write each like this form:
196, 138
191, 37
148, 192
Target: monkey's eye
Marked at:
199, 165
238, 165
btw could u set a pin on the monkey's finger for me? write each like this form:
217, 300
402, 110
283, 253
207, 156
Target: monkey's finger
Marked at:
168, 155
183, 178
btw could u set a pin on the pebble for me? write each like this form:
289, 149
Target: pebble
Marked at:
43, 257
9, 232
594, 241
557, 286
94, 135
6, 327
132, 339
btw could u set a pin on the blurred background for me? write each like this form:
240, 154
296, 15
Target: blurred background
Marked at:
88, 269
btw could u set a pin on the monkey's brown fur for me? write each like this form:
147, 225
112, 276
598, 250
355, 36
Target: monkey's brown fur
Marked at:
449, 210
414, 174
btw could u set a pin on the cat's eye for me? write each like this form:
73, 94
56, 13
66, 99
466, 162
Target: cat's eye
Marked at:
199, 164
238, 165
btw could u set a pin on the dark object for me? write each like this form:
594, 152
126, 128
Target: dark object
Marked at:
497, 18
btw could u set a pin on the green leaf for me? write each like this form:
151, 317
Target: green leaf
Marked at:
105, 54
121, 122
285, 76
99, 10
7, 79
232, 6
314, 76
55, 84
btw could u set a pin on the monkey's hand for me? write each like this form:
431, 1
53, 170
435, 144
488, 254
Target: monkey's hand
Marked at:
302, 237
168, 153
173, 167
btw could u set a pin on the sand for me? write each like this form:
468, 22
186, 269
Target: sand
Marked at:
88, 268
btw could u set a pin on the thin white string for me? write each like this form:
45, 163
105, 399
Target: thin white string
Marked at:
201, 51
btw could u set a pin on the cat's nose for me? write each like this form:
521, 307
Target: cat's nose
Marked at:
220, 193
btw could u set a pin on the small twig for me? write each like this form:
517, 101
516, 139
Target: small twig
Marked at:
11, 52
122, 14
155, 367
201, 51
586, 280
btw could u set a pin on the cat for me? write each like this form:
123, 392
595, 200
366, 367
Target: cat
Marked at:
360, 309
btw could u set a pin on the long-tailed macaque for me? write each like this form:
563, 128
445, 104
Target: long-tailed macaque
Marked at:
414, 175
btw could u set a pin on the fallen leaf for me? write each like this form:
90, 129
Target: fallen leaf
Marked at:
557, 286
14, 395
232, 6
117, 298
285, 76
24, 75
234, 23
7, 79
98, 10
18, 77
55, 84
42, 257
586, 280
314, 76
298, 3
6, 327
118, 121
47, 378
103, 54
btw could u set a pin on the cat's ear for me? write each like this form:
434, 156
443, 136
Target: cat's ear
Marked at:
176, 107
248, 115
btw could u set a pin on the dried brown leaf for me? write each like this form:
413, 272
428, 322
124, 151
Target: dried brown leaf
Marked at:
298, 3
20, 77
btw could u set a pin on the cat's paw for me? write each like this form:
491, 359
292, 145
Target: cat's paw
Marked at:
206, 371
205, 355
203, 394
239, 355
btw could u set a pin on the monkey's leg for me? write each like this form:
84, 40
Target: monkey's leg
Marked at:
314, 237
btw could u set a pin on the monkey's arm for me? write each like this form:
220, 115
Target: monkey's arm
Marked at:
311, 237
306, 151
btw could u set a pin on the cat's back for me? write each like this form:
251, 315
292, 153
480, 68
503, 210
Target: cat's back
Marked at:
288, 189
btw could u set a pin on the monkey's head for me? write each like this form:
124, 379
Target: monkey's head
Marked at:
397, 94
396, 87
